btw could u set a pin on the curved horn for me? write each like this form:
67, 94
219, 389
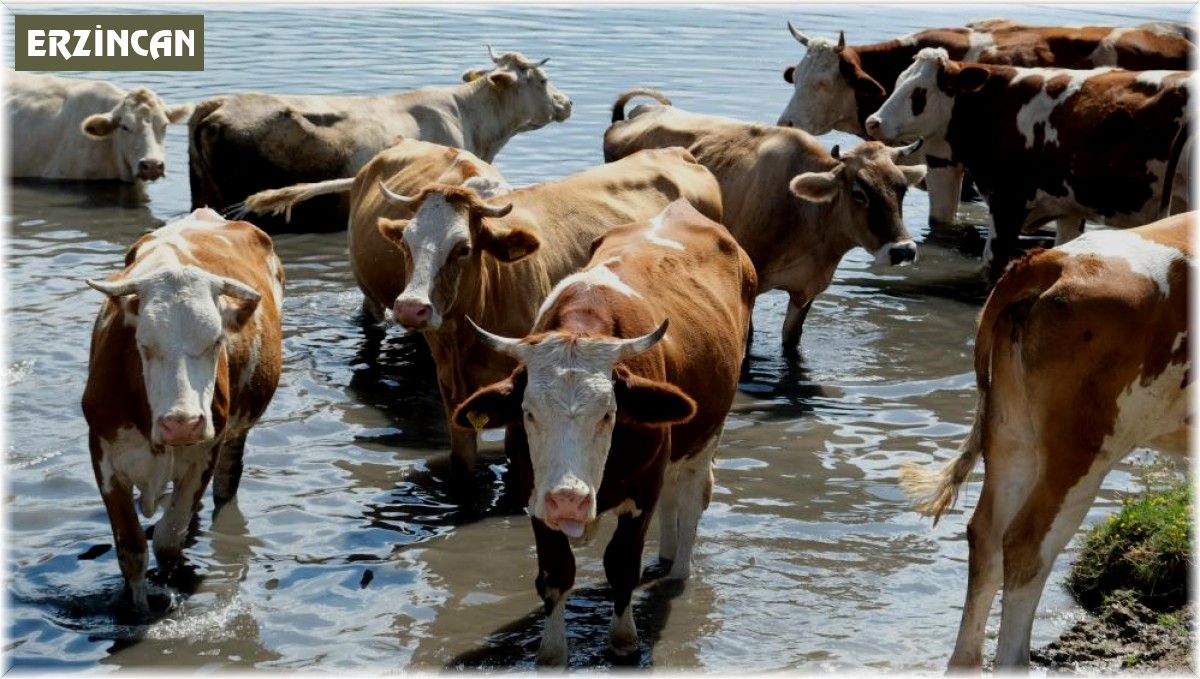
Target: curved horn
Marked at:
501, 345
487, 210
901, 151
800, 37
395, 198
492, 54
115, 288
636, 345
841, 41
836, 152
541, 63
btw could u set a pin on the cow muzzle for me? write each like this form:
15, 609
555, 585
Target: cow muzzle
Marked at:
562, 108
149, 169
569, 509
414, 314
896, 254
182, 429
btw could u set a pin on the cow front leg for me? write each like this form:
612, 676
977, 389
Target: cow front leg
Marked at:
793, 321
130, 541
693, 486
228, 475
623, 568
1004, 234
556, 577
193, 471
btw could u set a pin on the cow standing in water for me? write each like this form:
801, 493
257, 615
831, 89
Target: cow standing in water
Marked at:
1081, 356
69, 128
611, 407
245, 143
185, 356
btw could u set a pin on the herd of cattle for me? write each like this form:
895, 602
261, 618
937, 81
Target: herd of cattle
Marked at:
602, 319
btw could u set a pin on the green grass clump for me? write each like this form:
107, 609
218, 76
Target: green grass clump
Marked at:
1144, 548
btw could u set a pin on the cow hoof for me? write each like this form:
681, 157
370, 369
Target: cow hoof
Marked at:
623, 644
551, 655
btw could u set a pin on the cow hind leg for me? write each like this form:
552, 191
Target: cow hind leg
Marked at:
623, 568
556, 577
172, 528
1033, 541
1005, 485
693, 486
228, 474
793, 322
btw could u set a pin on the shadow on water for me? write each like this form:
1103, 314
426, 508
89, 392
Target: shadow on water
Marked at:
82, 195
588, 613
781, 381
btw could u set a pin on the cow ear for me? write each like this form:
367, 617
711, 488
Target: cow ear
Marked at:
99, 126
649, 403
501, 79
507, 245
912, 173
177, 114
815, 187
472, 75
392, 229
789, 74
496, 405
971, 78
237, 302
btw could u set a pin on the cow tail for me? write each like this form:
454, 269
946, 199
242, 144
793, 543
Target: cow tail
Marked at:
1181, 138
275, 201
935, 492
618, 111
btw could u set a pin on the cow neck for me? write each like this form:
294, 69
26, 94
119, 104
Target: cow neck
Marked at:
484, 114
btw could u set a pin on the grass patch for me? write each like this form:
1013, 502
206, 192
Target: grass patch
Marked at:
1144, 548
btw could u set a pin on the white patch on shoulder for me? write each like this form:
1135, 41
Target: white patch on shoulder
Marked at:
127, 460
1039, 108
1154, 78
1105, 53
977, 43
908, 39
1145, 257
597, 276
652, 235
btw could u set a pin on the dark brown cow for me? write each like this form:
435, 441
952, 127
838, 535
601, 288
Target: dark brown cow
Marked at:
495, 262
837, 86
795, 207
185, 356
245, 143
1081, 356
605, 411
1046, 144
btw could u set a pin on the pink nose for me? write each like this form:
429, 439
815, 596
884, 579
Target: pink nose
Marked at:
568, 504
872, 126
150, 169
180, 430
412, 314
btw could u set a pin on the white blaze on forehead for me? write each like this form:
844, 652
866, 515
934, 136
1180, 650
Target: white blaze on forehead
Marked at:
653, 236
595, 277
433, 231
896, 115
1146, 257
1038, 110
977, 43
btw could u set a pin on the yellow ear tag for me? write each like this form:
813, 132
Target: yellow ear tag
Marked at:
516, 252
472, 76
477, 420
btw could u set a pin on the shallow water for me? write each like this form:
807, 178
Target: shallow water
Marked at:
344, 552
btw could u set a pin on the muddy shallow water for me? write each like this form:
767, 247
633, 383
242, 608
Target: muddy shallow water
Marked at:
344, 552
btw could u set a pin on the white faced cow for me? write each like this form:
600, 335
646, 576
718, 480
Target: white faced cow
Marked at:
1081, 356
185, 356
67, 128
249, 142
607, 408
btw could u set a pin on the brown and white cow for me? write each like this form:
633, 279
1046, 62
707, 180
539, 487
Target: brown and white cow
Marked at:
1081, 356
1046, 144
404, 168
837, 85
608, 408
69, 128
795, 207
185, 356
496, 261
244, 143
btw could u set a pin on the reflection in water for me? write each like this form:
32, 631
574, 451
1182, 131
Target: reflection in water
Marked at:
345, 550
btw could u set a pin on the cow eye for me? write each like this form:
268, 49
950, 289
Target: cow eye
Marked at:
463, 250
858, 195
124, 127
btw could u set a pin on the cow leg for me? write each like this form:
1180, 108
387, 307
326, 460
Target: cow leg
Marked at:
668, 516
1067, 229
1003, 234
623, 568
464, 445
373, 309
1033, 541
793, 322
556, 577
228, 475
1005, 485
190, 482
693, 486
130, 539
944, 183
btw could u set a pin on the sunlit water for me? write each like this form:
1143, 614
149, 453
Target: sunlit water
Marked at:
343, 551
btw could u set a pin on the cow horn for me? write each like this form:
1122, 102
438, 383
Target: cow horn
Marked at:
492, 54
501, 345
636, 345
800, 37
115, 288
541, 63
395, 198
902, 151
487, 210
841, 41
